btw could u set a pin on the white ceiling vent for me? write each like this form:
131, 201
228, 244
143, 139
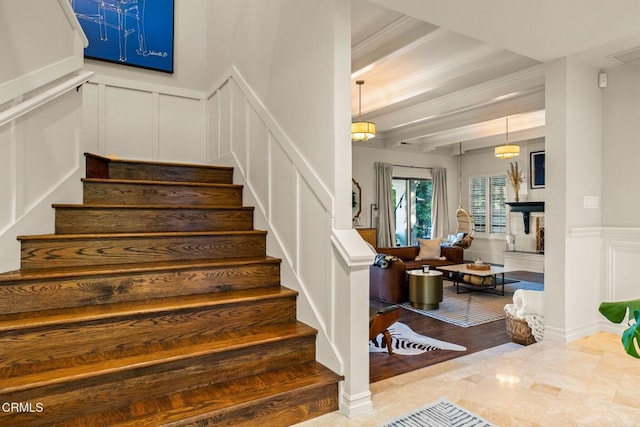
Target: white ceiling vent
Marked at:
626, 56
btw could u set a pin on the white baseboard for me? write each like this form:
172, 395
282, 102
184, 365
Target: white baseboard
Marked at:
524, 261
353, 406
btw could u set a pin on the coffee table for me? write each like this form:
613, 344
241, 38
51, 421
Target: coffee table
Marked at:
462, 269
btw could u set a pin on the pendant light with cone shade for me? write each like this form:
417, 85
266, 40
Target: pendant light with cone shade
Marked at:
362, 131
507, 151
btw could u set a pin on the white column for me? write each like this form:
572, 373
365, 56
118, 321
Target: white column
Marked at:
573, 165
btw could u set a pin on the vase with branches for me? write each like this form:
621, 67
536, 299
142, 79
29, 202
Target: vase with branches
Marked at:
515, 178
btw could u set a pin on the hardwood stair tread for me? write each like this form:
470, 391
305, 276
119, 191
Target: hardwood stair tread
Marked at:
80, 271
217, 400
122, 309
113, 159
154, 303
142, 206
80, 236
222, 342
165, 183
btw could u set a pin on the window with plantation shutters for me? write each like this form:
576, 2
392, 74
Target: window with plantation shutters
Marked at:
478, 202
497, 210
487, 195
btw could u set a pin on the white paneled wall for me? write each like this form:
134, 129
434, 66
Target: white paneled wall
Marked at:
621, 256
40, 164
154, 122
291, 201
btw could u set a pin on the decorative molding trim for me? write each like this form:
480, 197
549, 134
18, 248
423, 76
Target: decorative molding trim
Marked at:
566, 336
626, 233
394, 30
348, 243
353, 406
141, 86
43, 98
585, 232
281, 138
73, 21
383, 51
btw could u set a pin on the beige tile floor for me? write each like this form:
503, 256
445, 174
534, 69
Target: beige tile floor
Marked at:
589, 382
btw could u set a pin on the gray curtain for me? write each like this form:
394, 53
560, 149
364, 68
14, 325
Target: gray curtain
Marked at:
384, 198
439, 205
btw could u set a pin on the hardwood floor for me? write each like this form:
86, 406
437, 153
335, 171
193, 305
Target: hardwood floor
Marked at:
476, 338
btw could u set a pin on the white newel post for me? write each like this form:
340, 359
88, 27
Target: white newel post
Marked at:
352, 258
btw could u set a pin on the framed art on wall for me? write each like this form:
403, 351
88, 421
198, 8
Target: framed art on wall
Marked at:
129, 32
537, 169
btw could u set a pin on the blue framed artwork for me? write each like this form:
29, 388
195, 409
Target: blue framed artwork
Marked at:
130, 32
537, 169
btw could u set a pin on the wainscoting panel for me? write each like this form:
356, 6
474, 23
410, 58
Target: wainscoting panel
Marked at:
583, 283
224, 120
283, 201
40, 164
313, 221
50, 150
7, 187
239, 126
128, 124
90, 118
181, 120
258, 163
622, 256
212, 143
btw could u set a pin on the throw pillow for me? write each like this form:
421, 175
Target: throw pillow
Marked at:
429, 249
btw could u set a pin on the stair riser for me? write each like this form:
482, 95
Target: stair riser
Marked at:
36, 350
140, 220
99, 290
158, 194
100, 167
92, 251
291, 408
96, 396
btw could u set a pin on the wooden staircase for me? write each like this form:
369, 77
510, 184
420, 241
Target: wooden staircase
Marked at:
154, 303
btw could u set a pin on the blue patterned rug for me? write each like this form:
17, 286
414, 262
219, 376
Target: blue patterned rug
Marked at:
440, 413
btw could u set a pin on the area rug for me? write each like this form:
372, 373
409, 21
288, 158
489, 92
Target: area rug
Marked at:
406, 342
473, 308
440, 413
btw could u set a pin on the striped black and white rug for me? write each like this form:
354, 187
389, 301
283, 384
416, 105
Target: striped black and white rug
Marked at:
440, 413
406, 342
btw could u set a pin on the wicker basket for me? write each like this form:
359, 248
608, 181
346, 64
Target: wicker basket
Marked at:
519, 331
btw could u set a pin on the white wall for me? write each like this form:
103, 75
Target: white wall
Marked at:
286, 51
38, 44
40, 116
573, 256
620, 150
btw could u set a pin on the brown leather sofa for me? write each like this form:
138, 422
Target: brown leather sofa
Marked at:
391, 284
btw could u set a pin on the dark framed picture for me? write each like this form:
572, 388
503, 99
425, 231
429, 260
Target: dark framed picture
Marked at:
537, 169
129, 32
